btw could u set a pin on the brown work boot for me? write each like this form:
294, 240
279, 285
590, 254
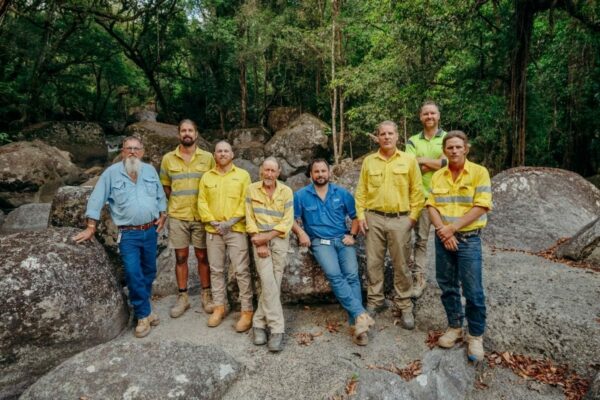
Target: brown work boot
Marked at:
450, 337
143, 327
361, 340
245, 321
217, 316
419, 284
475, 347
182, 304
363, 323
207, 301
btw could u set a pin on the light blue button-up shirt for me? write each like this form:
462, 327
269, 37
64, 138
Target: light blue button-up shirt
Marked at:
130, 203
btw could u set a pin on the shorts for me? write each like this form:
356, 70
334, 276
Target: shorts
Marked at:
184, 233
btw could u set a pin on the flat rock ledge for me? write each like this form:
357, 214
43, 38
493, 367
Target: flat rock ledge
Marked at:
140, 370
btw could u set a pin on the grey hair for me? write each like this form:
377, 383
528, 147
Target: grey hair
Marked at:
388, 123
272, 159
128, 138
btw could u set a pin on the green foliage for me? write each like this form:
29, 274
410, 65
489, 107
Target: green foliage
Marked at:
93, 60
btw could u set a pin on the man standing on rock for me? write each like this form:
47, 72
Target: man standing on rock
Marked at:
221, 203
269, 219
323, 207
138, 207
427, 147
461, 195
180, 173
389, 198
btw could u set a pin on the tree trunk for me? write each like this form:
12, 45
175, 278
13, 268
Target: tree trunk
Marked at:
243, 96
524, 16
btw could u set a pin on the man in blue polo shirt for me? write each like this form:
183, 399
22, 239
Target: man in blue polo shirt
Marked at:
322, 208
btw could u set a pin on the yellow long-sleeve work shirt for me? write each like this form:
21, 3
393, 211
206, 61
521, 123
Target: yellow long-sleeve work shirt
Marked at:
264, 213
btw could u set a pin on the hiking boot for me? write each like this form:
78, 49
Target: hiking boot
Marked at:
363, 323
207, 301
260, 336
153, 319
245, 321
450, 337
475, 347
374, 310
143, 327
360, 339
275, 342
419, 284
407, 320
217, 316
182, 304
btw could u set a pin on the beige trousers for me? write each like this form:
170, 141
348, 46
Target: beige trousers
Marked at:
392, 233
234, 245
420, 247
269, 312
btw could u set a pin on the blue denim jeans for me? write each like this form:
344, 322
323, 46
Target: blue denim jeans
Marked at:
138, 252
462, 267
340, 266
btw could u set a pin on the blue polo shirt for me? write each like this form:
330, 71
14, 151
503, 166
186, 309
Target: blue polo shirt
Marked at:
324, 219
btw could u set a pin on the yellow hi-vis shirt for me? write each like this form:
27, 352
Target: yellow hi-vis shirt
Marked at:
183, 178
222, 197
264, 213
392, 185
453, 199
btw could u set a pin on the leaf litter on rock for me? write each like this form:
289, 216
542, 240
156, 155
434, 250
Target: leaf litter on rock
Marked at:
542, 370
411, 371
306, 338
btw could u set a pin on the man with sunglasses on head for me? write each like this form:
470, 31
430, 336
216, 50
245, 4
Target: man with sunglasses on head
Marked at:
137, 206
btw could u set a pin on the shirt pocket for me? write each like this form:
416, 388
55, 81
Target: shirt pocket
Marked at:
151, 186
120, 192
312, 215
400, 175
465, 194
375, 179
440, 195
176, 175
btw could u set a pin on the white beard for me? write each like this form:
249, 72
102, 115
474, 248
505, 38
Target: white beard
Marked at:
133, 166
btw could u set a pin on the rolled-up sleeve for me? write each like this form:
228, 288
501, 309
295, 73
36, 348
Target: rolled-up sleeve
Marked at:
99, 197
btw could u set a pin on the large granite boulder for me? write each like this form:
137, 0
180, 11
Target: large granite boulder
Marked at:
159, 139
251, 168
32, 172
584, 246
297, 144
594, 391
251, 151
298, 181
246, 135
280, 117
58, 298
534, 207
140, 370
84, 140
28, 217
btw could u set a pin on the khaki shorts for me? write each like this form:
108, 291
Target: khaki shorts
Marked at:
184, 233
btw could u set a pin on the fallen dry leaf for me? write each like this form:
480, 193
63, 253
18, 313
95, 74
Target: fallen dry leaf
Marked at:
432, 338
306, 338
413, 369
542, 370
351, 385
332, 326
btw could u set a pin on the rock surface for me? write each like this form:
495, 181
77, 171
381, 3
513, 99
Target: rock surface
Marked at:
252, 169
302, 140
32, 172
280, 117
84, 140
584, 246
140, 370
534, 207
159, 139
298, 181
165, 283
446, 374
58, 298
251, 151
28, 217
594, 391
246, 135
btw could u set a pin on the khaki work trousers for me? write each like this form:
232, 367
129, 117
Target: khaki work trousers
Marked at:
392, 233
269, 312
422, 228
235, 245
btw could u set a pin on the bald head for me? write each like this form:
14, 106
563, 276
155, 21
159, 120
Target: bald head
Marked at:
223, 154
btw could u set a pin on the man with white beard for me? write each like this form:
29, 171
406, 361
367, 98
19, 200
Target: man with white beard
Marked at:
137, 205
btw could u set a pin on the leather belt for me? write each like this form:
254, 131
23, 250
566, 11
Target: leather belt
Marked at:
464, 235
390, 215
142, 227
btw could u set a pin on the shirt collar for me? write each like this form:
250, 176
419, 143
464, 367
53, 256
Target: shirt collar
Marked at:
216, 171
196, 152
438, 133
396, 153
466, 167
